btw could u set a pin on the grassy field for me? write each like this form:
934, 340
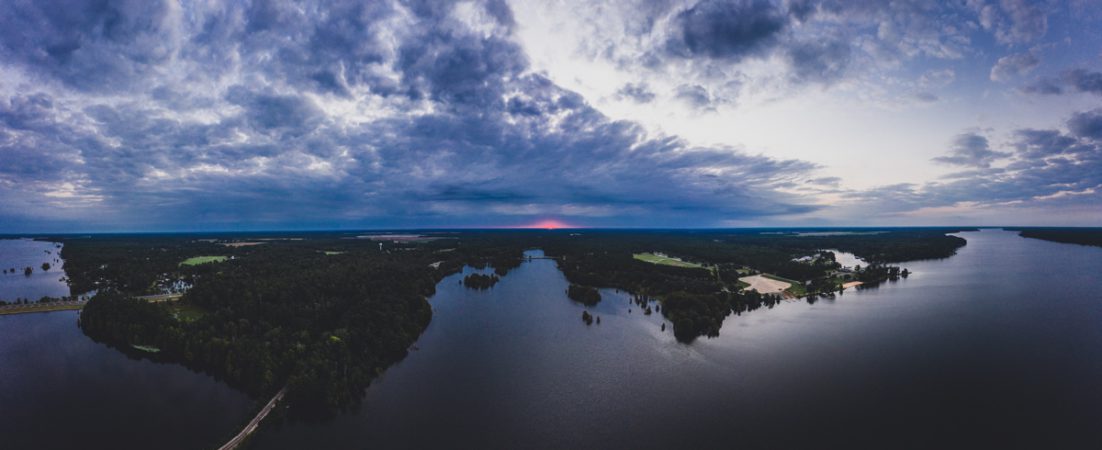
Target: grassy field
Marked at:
331, 253
666, 260
146, 348
195, 261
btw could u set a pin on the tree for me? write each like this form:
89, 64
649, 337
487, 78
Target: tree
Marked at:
45, 266
27, 271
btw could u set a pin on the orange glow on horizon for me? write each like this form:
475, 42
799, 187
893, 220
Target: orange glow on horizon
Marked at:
549, 224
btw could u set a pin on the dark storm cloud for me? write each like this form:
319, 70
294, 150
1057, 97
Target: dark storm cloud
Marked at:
342, 113
91, 45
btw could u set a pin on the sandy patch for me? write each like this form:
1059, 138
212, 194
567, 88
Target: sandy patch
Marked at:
765, 285
851, 284
241, 244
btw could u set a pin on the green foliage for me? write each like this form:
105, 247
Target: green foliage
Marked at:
281, 314
480, 281
197, 260
583, 294
1081, 236
665, 260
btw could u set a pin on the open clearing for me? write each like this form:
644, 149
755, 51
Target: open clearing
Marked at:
195, 261
765, 285
666, 260
241, 244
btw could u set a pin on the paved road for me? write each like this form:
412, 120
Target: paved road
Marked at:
253, 424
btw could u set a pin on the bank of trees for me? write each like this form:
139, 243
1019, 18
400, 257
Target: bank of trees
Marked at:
1081, 236
480, 281
583, 294
284, 313
325, 314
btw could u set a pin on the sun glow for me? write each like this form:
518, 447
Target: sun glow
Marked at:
549, 224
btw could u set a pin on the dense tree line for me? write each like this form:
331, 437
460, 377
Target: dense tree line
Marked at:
697, 300
583, 294
1081, 236
324, 313
288, 313
480, 281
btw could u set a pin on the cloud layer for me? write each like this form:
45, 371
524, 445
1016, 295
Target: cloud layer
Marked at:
342, 114
280, 114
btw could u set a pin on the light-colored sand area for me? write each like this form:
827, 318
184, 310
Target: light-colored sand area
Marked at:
765, 285
241, 244
851, 284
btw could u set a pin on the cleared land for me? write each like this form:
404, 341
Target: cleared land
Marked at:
241, 244
197, 260
765, 285
666, 260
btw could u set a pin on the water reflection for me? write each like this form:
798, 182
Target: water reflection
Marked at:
17, 255
969, 350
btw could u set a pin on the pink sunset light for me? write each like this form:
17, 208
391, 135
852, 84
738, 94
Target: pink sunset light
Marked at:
549, 224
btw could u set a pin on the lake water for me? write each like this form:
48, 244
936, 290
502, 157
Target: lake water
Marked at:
846, 259
21, 253
1000, 345
61, 390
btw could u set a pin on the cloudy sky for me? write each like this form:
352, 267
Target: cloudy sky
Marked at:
207, 115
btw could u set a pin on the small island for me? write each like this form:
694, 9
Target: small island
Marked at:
583, 294
480, 281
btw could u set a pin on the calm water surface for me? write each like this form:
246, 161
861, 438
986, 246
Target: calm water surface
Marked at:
20, 253
61, 390
1000, 345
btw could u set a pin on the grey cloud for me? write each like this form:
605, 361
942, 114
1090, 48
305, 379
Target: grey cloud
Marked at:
273, 112
926, 97
639, 93
1044, 86
822, 61
102, 45
1084, 80
1087, 125
459, 132
1010, 66
970, 149
1012, 21
694, 95
730, 30
1049, 168
1075, 80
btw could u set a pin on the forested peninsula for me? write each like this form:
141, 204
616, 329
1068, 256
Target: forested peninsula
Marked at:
324, 313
